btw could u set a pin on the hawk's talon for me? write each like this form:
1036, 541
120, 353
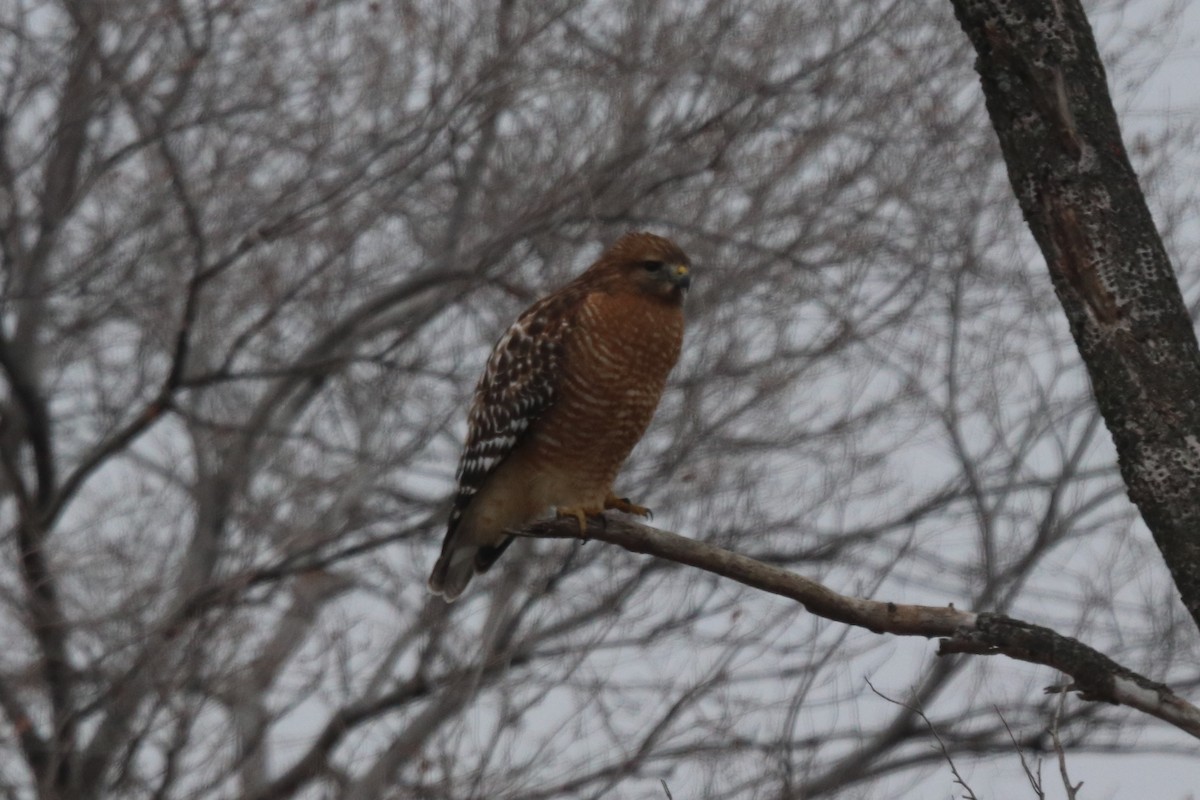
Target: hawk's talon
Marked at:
623, 504
581, 514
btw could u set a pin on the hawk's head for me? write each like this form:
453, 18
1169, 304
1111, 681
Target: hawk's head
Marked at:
647, 263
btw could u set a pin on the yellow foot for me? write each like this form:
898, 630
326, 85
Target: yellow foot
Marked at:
581, 514
623, 504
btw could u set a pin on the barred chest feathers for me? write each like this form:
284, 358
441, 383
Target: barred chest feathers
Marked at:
622, 349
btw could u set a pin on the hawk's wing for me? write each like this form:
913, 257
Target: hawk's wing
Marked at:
518, 386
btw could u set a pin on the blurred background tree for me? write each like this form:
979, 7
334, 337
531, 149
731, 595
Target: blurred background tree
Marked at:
254, 254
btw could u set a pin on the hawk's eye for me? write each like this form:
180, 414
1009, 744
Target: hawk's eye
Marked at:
652, 266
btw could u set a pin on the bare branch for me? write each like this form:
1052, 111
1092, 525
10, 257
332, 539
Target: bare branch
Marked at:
915, 708
1035, 779
1072, 790
1096, 676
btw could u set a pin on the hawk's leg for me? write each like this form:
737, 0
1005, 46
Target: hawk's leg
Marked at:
580, 513
623, 504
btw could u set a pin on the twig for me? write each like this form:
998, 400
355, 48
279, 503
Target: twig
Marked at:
1072, 791
1035, 781
916, 709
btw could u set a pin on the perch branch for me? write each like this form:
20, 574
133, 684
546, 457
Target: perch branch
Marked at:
1094, 675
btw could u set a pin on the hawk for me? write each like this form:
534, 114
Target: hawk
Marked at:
567, 392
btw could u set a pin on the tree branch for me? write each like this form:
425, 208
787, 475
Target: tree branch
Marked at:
1095, 676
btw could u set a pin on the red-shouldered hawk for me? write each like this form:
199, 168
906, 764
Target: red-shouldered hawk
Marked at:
568, 391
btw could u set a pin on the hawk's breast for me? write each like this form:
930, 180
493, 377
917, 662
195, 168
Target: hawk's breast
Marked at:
618, 355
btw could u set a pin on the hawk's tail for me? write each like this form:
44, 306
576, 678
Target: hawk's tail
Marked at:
453, 571
457, 565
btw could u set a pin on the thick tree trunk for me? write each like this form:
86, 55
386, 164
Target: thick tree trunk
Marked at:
1049, 103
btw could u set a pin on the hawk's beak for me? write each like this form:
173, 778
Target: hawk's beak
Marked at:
680, 276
